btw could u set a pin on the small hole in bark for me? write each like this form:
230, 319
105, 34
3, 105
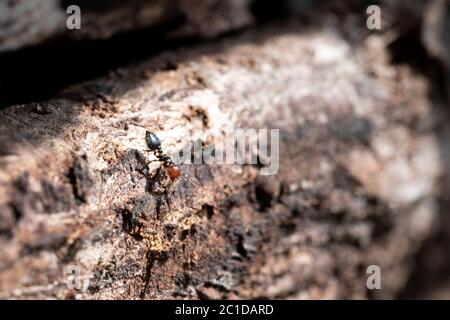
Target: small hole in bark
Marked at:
207, 211
263, 197
183, 235
240, 246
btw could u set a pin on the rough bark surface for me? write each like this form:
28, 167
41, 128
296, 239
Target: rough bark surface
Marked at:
28, 22
359, 166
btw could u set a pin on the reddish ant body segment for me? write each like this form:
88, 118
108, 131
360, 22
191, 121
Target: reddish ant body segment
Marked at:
154, 144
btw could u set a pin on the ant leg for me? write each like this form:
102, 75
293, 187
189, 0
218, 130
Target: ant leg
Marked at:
148, 162
191, 182
156, 174
186, 177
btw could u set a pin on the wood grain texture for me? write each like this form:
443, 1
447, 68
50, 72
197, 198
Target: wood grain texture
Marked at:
359, 164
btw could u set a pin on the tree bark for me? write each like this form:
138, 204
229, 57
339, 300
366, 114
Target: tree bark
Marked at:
359, 164
31, 22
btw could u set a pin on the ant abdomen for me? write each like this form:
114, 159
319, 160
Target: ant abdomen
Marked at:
174, 172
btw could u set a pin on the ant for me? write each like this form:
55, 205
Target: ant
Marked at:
156, 184
154, 144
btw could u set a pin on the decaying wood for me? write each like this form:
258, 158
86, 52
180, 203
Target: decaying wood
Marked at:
359, 164
29, 22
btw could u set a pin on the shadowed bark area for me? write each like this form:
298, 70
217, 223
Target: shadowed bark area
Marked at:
36, 43
360, 161
29, 22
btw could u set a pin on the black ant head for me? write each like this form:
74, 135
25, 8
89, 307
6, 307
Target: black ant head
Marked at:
152, 141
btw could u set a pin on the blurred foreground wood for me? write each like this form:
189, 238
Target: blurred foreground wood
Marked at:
359, 165
31, 22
